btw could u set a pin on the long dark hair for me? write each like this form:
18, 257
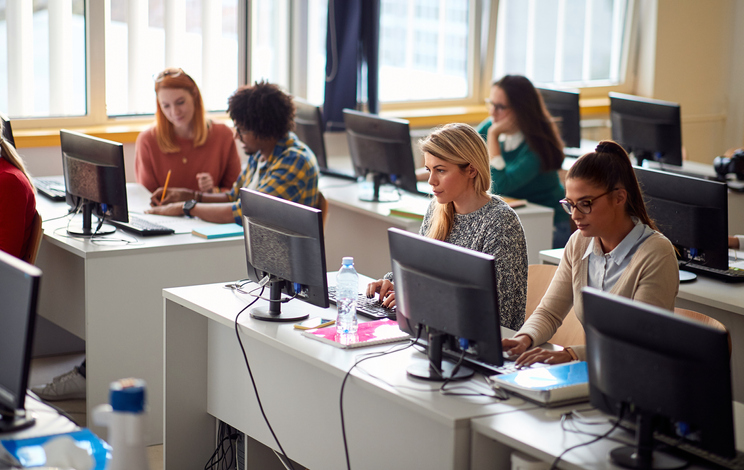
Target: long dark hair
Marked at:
609, 167
533, 119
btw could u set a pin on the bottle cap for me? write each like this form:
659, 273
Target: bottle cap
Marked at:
128, 395
347, 261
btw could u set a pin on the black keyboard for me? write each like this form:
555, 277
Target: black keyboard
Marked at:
725, 275
50, 188
142, 227
370, 308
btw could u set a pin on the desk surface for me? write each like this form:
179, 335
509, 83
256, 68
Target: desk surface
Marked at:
538, 433
417, 426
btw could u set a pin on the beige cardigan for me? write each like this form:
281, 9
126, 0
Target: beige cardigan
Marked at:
652, 277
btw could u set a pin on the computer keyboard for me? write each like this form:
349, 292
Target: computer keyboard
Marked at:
142, 227
726, 275
368, 307
51, 188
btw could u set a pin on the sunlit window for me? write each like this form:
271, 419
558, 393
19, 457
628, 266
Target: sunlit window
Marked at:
40, 40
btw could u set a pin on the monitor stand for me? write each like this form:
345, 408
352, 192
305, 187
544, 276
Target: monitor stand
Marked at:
642, 455
378, 192
16, 423
436, 369
274, 311
85, 230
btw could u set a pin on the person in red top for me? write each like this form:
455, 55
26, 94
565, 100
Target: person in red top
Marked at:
200, 154
17, 201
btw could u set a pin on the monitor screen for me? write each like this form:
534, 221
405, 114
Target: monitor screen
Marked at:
94, 179
381, 147
19, 287
671, 374
563, 106
649, 129
7, 129
449, 292
284, 242
692, 213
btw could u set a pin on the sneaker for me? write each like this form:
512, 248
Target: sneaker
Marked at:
68, 386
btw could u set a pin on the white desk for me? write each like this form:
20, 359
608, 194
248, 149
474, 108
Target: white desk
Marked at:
395, 422
538, 434
720, 300
110, 294
359, 229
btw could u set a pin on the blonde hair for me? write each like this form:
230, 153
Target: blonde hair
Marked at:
10, 154
166, 135
461, 145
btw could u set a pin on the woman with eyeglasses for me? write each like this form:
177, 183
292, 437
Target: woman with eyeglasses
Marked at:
616, 249
198, 153
525, 148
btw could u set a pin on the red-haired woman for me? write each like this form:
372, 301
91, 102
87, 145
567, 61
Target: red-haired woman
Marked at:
200, 154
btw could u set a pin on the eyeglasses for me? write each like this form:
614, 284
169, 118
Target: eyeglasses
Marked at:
584, 206
173, 73
498, 107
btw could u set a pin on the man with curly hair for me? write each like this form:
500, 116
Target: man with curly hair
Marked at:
278, 162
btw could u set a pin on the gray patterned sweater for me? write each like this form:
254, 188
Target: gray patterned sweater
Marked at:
494, 229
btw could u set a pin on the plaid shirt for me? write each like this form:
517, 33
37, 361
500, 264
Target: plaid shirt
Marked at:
291, 173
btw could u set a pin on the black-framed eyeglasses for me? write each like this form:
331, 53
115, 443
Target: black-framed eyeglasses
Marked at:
584, 206
498, 107
173, 73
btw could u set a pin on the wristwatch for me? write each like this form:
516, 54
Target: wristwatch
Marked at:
187, 206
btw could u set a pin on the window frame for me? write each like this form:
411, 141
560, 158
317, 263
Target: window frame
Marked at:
481, 50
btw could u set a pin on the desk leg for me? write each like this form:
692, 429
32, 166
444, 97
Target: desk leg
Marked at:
189, 429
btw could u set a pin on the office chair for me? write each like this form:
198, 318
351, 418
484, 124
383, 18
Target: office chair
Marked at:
705, 320
34, 241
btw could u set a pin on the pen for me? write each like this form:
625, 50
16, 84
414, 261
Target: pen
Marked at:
165, 187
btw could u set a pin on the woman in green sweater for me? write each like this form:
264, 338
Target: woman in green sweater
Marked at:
525, 148
615, 248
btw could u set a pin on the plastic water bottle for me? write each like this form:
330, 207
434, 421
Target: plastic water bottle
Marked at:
347, 289
124, 418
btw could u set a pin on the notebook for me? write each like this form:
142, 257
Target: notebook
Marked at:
368, 334
218, 231
557, 385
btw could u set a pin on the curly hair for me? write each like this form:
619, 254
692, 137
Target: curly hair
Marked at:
263, 109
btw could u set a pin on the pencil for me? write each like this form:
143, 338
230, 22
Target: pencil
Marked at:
165, 187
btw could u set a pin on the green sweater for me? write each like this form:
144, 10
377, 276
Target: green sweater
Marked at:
522, 178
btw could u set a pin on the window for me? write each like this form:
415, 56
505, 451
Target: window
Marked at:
575, 43
41, 40
270, 41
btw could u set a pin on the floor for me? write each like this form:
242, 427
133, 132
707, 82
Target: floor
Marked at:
44, 369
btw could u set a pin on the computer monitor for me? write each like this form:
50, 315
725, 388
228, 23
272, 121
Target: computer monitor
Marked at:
309, 128
94, 178
563, 106
381, 147
649, 129
692, 213
450, 292
19, 288
284, 241
671, 374
7, 129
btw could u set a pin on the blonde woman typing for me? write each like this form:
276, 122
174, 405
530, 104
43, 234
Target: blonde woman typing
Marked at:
464, 213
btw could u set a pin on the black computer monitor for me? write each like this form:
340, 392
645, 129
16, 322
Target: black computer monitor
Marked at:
649, 129
19, 288
692, 213
449, 291
7, 129
671, 374
563, 106
94, 179
381, 147
309, 128
284, 241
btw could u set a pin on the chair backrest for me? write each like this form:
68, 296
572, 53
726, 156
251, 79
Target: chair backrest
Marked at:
34, 241
704, 319
323, 206
539, 276
309, 128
